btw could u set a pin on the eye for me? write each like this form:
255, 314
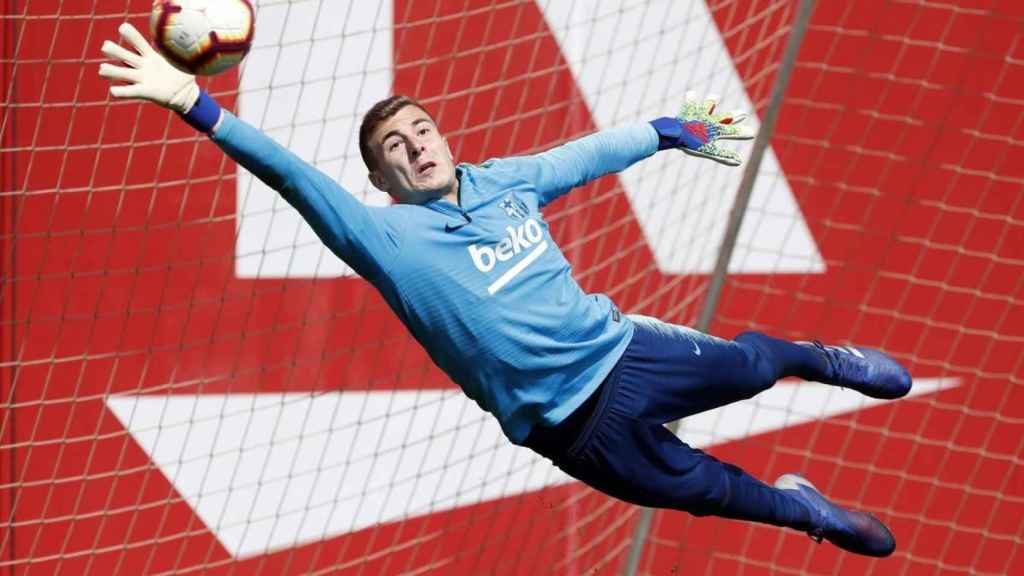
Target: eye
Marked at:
423, 131
394, 144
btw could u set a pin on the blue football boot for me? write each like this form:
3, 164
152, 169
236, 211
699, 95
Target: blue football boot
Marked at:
857, 532
870, 372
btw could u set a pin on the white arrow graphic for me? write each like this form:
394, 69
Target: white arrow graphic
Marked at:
272, 471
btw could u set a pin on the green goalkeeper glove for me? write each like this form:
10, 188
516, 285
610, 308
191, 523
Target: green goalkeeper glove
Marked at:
697, 129
150, 77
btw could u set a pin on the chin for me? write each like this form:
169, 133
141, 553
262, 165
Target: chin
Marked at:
437, 188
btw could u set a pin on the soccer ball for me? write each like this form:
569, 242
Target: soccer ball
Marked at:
202, 36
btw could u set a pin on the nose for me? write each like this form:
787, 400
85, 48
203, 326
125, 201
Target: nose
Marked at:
416, 148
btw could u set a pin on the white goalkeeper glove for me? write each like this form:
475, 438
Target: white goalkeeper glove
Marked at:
150, 77
697, 129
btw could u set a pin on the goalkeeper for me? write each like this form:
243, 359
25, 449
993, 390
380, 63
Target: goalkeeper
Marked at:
465, 260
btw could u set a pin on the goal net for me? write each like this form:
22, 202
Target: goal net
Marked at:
191, 383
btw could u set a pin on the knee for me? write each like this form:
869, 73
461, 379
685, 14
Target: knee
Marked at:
763, 367
754, 339
706, 498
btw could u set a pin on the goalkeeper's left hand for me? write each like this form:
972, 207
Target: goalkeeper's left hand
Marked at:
698, 128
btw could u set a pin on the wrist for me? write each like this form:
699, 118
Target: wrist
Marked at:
674, 133
669, 130
204, 114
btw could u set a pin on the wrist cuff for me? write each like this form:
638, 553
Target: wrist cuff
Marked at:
670, 130
204, 113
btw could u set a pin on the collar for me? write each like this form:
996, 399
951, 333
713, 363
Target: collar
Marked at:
456, 216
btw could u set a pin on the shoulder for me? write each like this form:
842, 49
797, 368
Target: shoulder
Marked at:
490, 165
487, 172
502, 170
397, 214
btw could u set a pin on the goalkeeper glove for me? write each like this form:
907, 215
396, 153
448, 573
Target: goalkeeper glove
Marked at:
698, 128
150, 77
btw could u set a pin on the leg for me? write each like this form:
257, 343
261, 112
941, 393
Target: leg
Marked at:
620, 446
868, 371
789, 358
625, 450
686, 372
689, 372
705, 486
647, 465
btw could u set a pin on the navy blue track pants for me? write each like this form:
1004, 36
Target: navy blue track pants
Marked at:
617, 443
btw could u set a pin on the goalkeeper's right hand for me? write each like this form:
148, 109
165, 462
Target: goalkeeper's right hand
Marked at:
150, 77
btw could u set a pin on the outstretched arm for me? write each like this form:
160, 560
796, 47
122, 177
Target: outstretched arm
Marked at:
556, 171
696, 131
358, 234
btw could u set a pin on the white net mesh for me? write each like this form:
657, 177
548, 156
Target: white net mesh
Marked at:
190, 382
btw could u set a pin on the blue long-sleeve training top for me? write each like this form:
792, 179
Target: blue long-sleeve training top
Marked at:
481, 285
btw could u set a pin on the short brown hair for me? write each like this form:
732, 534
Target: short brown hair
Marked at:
381, 112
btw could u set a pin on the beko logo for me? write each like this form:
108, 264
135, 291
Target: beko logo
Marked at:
520, 238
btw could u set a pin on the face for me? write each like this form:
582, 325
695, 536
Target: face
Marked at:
414, 162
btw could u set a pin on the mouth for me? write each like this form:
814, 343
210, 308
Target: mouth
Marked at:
425, 168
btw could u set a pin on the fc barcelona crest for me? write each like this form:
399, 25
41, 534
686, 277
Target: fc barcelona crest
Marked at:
514, 207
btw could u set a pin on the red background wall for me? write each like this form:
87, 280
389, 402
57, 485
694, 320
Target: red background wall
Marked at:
900, 137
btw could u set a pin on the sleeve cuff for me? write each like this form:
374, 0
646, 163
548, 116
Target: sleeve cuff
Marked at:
205, 113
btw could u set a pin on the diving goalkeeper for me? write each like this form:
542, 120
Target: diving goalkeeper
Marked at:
465, 260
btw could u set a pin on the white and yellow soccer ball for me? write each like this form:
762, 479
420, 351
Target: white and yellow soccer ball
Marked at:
202, 36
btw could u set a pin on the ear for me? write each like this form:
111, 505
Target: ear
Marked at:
378, 181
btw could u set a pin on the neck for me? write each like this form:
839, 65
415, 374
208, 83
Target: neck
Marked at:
453, 194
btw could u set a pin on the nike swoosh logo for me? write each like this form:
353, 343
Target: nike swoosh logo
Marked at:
449, 228
696, 348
